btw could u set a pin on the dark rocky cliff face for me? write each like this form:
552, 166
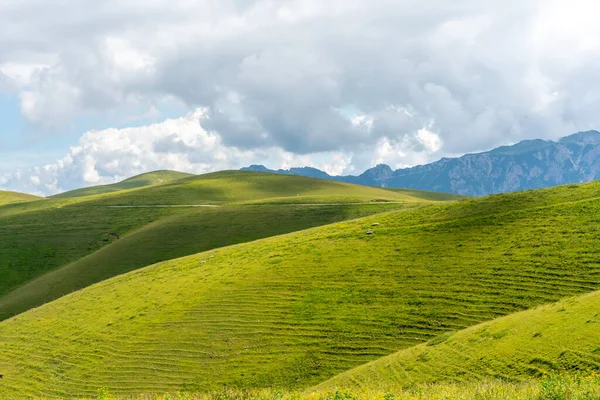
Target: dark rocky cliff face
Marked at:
531, 164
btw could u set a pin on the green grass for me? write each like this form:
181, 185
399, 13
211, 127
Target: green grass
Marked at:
174, 233
53, 247
47, 237
426, 195
147, 179
243, 186
552, 387
563, 336
15, 197
293, 310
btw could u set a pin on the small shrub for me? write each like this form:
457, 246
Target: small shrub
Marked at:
554, 387
501, 334
104, 394
338, 395
416, 302
440, 339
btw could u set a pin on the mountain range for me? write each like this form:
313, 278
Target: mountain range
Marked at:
530, 164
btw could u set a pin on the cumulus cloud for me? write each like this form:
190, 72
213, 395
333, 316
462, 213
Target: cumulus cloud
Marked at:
182, 144
393, 79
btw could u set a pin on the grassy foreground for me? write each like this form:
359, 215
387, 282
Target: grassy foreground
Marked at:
552, 387
293, 310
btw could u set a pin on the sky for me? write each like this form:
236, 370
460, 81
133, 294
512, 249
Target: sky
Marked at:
95, 91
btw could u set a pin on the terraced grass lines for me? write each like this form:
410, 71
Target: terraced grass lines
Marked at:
294, 310
35, 242
174, 233
38, 238
537, 342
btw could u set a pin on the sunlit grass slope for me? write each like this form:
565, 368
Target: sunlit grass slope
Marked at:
244, 186
564, 336
38, 238
297, 309
425, 195
48, 236
147, 179
564, 386
175, 233
7, 197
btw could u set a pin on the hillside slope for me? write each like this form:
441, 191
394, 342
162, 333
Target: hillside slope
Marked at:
563, 336
426, 195
37, 240
241, 186
178, 234
7, 197
43, 235
296, 309
147, 179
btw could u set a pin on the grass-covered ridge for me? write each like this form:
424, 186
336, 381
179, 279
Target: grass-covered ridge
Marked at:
163, 234
294, 310
426, 195
53, 247
562, 336
147, 179
7, 197
243, 186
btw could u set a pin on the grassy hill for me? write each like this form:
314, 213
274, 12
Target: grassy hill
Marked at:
296, 309
56, 247
158, 236
562, 336
7, 197
47, 235
147, 179
243, 186
426, 195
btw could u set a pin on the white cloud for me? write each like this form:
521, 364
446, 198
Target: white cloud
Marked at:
181, 144
467, 75
273, 73
430, 140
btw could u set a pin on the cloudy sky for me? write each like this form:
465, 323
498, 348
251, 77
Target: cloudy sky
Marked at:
95, 91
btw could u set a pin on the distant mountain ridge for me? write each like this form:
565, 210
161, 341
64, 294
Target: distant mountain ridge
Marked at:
530, 164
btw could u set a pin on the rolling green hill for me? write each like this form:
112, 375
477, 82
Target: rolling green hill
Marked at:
158, 236
563, 336
296, 309
48, 235
243, 186
147, 179
426, 195
7, 197
56, 247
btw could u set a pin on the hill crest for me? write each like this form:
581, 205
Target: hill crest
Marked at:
137, 181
